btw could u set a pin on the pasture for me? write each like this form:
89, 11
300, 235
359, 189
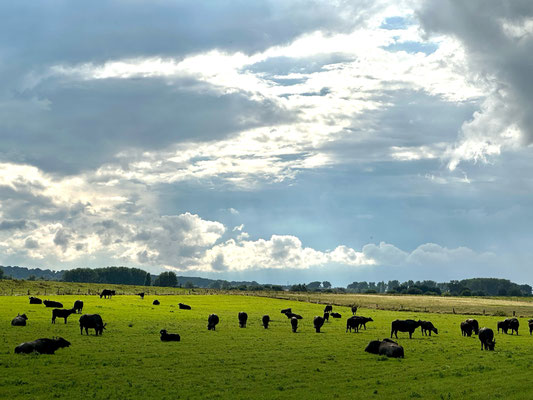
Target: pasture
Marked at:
129, 361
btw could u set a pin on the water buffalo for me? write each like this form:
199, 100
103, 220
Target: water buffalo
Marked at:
475, 325
355, 321
92, 321
141, 295
364, 320
156, 302
385, 347
294, 324
486, 337
107, 293
530, 323
243, 317
266, 321
183, 306
326, 316
212, 322
78, 306
43, 346
503, 325
169, 337
426, 327
336, 315
50, 303
318, 321
354, 310
466, 328
513, 325
19, 320
286, 310
291, 315
407, 325
328, 308
35, 300
61, 313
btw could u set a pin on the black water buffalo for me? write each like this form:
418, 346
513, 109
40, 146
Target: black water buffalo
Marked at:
513, 325
141, 295
385, 347
326, 316
336, 315
78, 306
156, 302
92, 321
530, 323
43, 346
354, 310
35, 300
50, 303
294, 324
212, 322
107, 293
243, 317
503, 325
364, 320
61, 313
286, 310
475, 325
486, 337
292, 315
169, 337
328, 308
318, 321
266, 321
408, 325
427, 326
355, 322
183, 306
19, 320
466, 328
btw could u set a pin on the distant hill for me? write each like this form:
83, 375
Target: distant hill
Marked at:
25, 273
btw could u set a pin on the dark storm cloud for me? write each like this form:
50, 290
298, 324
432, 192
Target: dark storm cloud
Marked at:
499, 44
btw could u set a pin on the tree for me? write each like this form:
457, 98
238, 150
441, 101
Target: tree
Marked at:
1, 274
32, 277
190, 285
168, 279
313, 285
148, 280
326, 285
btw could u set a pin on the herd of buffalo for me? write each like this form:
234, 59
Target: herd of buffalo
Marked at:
386, 347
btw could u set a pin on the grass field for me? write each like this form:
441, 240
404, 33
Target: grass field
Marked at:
129, 361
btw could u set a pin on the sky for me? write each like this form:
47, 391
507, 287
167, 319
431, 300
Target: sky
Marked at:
276, 141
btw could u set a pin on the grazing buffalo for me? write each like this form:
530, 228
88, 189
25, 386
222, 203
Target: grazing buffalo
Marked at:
407, 325
503, 325
336, 315
286, 310
43, 346
156, 302
530, 323
243, 317
426, 327
513, 324
294, 324
292, 315
212, 322
326, 316
328, 308
183, 306
486, 337
475, 325
385, 347
466, 328
318, 321
19, 320
266, 321
169, 337
50, 303
78, 306
354, 310
355, 322
92, 321
141, 295
107, 293
35, 300
61, 313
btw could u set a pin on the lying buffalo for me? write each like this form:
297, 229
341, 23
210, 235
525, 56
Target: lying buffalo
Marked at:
212, 322
407, 325
92, 321
169, 337
466, 328
43, 346
486, 337
475, 325
336, 315
184, 306
54, 304
294, 324
243, 317
426, 327
156, 302
35, 300
318, 321
266, 321
19, 320
385, 347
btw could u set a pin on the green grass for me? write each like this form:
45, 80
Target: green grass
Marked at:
129, 361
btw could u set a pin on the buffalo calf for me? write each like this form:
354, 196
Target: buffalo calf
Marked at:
19, 320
